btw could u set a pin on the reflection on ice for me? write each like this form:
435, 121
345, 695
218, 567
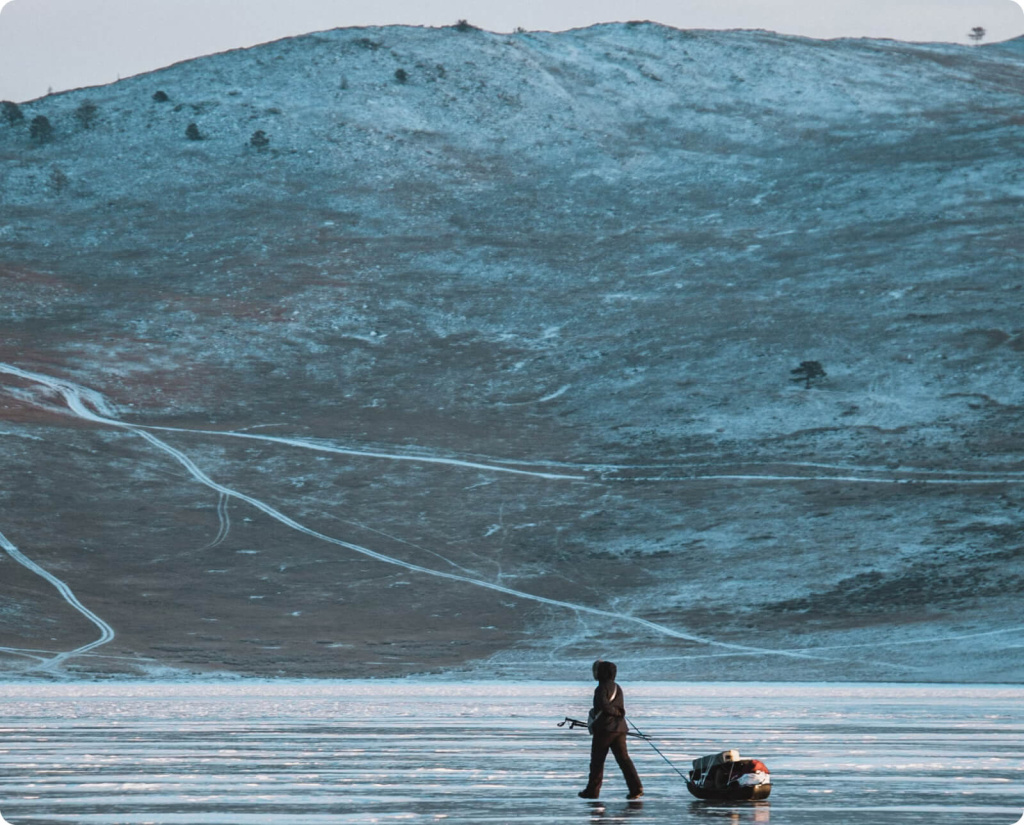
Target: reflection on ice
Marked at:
304, 753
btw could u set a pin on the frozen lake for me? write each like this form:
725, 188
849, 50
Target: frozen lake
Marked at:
304, 753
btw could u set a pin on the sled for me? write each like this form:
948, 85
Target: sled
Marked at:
725, 777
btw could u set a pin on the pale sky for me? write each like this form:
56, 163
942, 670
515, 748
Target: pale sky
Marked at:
64, 44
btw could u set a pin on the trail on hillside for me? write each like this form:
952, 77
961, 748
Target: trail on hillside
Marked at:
91, 406
326, 447
770, 477
621, 473
26, 653
224, 521
106, 631
953, 637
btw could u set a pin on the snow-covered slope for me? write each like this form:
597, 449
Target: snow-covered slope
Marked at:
591, 257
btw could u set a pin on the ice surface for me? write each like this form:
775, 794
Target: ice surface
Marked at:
478, 752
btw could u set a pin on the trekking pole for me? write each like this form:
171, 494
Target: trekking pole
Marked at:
576, 723
649, 742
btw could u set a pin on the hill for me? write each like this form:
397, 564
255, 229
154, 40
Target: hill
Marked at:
449, 351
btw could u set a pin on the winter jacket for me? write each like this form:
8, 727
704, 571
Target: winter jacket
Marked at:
609, 701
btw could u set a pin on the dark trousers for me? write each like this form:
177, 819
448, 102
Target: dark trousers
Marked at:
599, 747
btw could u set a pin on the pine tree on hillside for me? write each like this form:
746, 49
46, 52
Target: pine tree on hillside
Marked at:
11, 111
807, 372
41, 130
86, 114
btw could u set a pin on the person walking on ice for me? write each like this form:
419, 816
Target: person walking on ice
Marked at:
607, 724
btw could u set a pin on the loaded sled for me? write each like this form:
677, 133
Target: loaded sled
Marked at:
725, 777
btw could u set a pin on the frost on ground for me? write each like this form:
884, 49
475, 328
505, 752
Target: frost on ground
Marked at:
486, 366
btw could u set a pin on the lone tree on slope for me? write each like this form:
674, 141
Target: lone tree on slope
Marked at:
807, 372
41, 130
977, 33
86, 114
11, 111
59, 181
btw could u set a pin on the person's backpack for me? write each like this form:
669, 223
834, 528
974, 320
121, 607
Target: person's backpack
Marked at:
594, 715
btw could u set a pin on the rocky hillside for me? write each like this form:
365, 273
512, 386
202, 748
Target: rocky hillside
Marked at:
469, 352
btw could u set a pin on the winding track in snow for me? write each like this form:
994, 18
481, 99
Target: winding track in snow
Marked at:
956, 637
106, 631
276, 514
25, 652
605, 473
907, 481
412, 544
325, 447
224, 519
91, 406
608, 473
